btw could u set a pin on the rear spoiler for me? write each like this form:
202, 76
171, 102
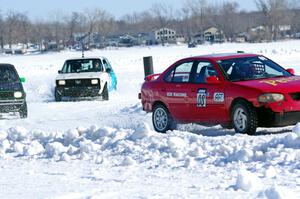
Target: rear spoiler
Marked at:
151, 77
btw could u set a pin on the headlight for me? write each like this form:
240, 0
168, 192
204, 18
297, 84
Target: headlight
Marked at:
271, 97
18, 94
94, 81
61, 82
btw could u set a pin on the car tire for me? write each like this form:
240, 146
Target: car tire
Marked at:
105, 95
227, 126
57, 96
244, 118
23, 111
162, 119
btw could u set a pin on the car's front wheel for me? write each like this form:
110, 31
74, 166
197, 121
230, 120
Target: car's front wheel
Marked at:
105, 95
57, 96
23, 111
244, 118
162, 119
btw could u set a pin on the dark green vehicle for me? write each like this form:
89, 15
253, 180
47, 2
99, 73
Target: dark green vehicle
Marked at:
12, 95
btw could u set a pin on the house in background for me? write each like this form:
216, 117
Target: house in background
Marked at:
211, 35
165, 35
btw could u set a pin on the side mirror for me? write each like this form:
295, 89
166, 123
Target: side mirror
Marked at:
291, 71
59, 72
22, 79
213, 80
108, 70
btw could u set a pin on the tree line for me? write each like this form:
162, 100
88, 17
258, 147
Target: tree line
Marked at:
194, 17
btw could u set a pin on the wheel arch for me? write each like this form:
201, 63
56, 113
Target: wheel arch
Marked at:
236, 100
158, 102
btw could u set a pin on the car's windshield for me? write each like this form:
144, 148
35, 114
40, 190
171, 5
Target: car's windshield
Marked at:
250, 68
82, 65
8, 75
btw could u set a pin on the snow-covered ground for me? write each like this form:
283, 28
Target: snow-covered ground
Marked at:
95, 149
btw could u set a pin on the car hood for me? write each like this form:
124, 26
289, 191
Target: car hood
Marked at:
87, 75
277, 85
10, 87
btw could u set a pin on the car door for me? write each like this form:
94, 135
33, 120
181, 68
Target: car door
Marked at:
206, 100
174, 90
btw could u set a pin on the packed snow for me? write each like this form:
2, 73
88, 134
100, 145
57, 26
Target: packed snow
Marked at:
108, 149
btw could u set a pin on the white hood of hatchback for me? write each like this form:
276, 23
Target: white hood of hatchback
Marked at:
87, 75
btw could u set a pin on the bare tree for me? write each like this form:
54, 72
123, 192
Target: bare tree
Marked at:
2, 31
228, 20
275, 14
163, 14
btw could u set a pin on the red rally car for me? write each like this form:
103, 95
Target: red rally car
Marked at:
240, 91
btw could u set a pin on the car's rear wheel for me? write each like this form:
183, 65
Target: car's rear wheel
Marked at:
105, 95
23, 111
227, 126
57, 96
162, 119
244, 118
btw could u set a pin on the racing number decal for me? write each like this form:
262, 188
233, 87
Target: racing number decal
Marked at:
219, 97
201, 98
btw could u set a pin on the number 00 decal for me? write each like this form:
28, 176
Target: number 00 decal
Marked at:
201, 98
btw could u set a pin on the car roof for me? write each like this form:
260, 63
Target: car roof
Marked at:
223, 56
86, 58
6, 65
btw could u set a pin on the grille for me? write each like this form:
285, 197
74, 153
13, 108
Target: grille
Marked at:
6, 95
295, 96
80, 83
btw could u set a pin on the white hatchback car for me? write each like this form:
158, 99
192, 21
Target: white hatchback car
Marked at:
85, 77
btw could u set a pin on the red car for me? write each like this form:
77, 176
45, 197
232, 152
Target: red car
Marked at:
240, 91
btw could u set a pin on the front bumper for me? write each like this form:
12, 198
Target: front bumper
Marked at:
7, 106
268, 118
88, 91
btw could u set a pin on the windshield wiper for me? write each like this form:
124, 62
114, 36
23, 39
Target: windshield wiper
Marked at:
241, 79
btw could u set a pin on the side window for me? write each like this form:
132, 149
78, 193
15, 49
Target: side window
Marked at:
204, 69
180, 73
106, 64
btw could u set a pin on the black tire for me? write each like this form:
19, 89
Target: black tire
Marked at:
105, 95
244, 118
23, 111
162, 119
227, 126
57, 96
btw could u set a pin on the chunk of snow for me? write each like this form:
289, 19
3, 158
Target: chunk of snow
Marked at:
71, 134
17, 133
247, 181
189, 162
270, 172
3, 135
34, 148
143, 130
18, 148
276, 192
296, 129
176, 143
128, 161
55, 148
65, 157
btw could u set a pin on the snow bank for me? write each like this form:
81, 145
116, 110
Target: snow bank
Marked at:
142, 145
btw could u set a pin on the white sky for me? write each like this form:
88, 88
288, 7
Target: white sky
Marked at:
37, 9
